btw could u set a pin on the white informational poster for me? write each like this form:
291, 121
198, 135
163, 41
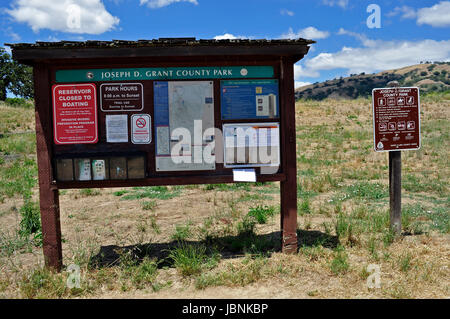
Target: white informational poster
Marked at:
117, 128
251, 145
141, 129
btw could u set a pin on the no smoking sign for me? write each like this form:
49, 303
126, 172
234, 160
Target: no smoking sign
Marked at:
141, 129
141, 122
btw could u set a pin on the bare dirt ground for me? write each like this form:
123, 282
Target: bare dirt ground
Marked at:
342, 226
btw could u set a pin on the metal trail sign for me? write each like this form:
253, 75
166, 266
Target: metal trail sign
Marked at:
396, 119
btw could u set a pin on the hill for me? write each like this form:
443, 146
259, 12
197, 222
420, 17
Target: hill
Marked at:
430, 77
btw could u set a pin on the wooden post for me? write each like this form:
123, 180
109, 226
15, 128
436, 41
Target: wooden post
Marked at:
48, 192
288, 187
395, 185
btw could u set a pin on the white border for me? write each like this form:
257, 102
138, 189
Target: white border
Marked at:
55, 138
149, 128
134, 110
277, 124
418, 113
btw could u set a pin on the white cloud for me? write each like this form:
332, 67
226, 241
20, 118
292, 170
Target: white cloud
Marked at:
298, 84
405, 12
155, 4
307, 33
300, 72
375, 56
11, 34
229, 36
72, 16
287, 12
340, 3
436, 16
361, 37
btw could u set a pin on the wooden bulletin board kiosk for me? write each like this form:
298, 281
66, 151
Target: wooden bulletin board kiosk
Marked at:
163, 112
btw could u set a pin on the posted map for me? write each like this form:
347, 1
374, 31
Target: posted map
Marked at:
185, 105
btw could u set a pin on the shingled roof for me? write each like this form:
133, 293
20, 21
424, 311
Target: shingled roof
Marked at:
30, 53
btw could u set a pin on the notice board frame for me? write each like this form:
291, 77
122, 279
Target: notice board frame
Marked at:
45, 62
220, 175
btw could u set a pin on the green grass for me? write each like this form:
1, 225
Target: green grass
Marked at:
304, 206
248, 197
30, 223
19, 102
86, 192
245, 240
11, 185
412, 183
313, 252
404, 262
153, 192
418, 218
230, 187
13, 242
149, 205
249, 271
190, 259
372, 247
368, 191
182, 232
120, 193
42, 283
246, 227
262, 213
17, 144
140, 274
339, 265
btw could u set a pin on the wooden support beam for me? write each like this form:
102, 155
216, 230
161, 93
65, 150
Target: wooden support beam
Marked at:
288, 187
48, 192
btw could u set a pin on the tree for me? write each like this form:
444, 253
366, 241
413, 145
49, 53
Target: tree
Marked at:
16, 77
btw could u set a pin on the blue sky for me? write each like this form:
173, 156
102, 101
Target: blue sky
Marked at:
409, 31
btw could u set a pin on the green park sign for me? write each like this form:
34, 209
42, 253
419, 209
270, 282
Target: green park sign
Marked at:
169, 73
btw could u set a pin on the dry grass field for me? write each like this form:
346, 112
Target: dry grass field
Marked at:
223, 241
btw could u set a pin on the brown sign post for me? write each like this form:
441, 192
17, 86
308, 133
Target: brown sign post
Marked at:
117, 105
396, 125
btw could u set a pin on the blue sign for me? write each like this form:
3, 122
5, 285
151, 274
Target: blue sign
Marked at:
161, 103
249, 99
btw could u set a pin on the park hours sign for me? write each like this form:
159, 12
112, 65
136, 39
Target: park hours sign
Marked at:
396, 119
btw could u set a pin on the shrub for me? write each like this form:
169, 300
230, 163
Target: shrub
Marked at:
31, 221
261, 213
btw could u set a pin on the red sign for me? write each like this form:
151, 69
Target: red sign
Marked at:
396, 119
75, 114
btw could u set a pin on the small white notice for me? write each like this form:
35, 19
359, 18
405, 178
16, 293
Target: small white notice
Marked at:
140, 129
244, 175
117, 128
99, 170
84, 167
